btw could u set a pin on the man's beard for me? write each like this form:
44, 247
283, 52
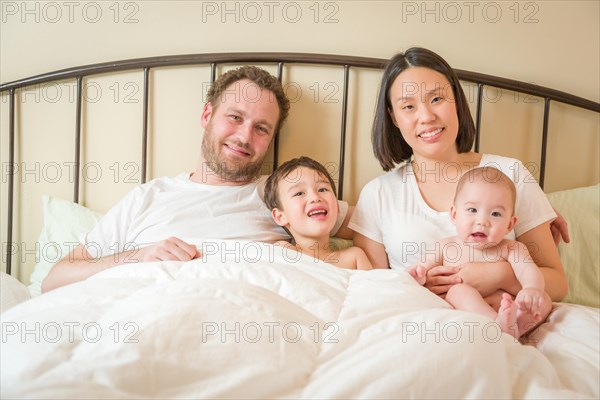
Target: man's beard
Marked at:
226, 170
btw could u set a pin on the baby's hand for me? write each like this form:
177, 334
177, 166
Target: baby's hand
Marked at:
419, 273
531, 300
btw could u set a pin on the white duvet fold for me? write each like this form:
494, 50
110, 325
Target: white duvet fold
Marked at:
251, 320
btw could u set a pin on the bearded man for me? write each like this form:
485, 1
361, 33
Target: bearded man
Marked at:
221, 199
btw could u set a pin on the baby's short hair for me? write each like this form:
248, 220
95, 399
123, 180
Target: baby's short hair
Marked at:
489, 175
271, 198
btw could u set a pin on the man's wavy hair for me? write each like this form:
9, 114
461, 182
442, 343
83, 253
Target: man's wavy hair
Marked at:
261, 78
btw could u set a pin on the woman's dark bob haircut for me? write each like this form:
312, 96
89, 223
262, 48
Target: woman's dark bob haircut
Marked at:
389, 146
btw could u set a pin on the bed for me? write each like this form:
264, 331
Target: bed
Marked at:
254, 320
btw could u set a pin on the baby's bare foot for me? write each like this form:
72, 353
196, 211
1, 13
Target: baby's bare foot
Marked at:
507, 316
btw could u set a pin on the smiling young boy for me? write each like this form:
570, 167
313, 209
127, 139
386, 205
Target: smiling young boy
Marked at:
301, 197
483, 213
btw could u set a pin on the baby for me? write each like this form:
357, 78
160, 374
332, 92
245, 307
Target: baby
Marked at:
301, 197
483, 212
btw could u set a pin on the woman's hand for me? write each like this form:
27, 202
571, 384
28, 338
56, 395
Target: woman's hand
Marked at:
488, 277
419, 273
440, 279
559, 229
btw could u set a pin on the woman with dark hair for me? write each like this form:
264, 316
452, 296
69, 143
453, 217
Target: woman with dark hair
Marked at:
423, 123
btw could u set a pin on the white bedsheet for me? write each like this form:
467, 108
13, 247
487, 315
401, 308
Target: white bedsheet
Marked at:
247, 321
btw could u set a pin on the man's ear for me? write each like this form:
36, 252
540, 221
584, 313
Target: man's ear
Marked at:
206, 114
393, 117
512, 223
279, 217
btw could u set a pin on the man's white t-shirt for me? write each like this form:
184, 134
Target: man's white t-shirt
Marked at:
176, 206
391, 210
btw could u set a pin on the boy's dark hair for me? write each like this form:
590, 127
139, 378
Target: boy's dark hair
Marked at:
271, 198
261, 78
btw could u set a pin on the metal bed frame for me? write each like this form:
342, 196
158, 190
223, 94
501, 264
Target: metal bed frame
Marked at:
214, 59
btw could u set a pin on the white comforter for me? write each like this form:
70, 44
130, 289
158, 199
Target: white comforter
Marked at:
248, 321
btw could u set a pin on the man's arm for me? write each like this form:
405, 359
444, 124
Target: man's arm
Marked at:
79, 264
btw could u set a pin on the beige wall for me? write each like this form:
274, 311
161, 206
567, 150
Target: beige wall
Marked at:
550, 43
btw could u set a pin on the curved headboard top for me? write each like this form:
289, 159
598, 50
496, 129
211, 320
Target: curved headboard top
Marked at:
289, 58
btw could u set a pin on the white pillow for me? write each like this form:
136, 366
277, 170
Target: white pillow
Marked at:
581, 258
12, 292
64, 222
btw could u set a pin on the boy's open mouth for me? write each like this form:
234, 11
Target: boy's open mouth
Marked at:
317, 213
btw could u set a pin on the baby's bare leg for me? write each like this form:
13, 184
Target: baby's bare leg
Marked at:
507, 316
527, 321
495, 299
466, 298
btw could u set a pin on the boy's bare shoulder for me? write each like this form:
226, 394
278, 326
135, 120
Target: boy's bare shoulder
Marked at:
351, 250
354, 256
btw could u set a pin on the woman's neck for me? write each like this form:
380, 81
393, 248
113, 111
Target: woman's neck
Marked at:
454, 164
